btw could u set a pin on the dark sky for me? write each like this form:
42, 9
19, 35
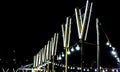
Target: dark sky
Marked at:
27, 26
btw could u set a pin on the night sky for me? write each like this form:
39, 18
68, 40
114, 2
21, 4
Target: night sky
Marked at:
27, 26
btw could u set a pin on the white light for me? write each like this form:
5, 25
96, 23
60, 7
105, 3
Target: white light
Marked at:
117, 70
59, 58
95, 70
71, 68
106, 70
72, 49
62, 65
103, 70
78, 68
107, 43
84, 69
68, 52
110, 45
118, 60
63, 54
115, 56
68, 67
113, 70
113, 48
88, 70
113, 52
77, 47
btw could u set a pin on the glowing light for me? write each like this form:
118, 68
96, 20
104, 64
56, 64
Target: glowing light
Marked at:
107, 43
110, 45
115, 56
59, 57
77, 47
63, 54
100, 67
118, 60
113, 48
88, 70
113, 52
106, 70
84, 69
103, 70
68, 52
113, 70
71, 68
72, 49
78, 68
68, 67
63, 66
95, 70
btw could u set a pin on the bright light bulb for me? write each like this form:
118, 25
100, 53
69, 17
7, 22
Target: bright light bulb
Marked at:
107, 43
110, 45
106, 70
77, 47
113, 52
95, 70
88, 70
84, 69
113, 70
59, 58
78, 68
72, 49
63, 55
115, 56
68, 52
118, 60
113, 48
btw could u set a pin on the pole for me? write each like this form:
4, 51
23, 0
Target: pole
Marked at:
66, 51
98, 48
81, 55
52, 63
